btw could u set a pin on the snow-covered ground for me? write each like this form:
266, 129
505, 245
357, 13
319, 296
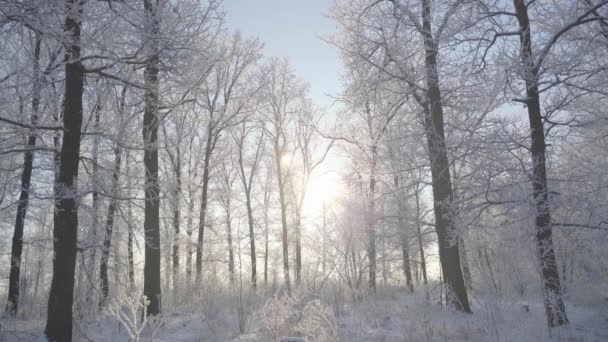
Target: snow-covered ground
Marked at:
390, 315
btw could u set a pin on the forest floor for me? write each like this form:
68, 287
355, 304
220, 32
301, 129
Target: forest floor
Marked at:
390, 315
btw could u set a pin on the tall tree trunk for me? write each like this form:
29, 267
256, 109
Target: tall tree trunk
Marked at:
229, 237
443, 198
65, 218
12, 304
152, 288
371, 221
176, 219
464, 260
266, 222
283, 204
405, 249
203, 211
254, 277
96, 202
419, 232
107, 240
298, 244
189, 233
247, 186
130, 261
168, 261
552, 290
191, 177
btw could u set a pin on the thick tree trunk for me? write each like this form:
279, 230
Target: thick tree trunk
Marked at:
449, 256
152, 288
552, 290
107, 240
464, 260
405, 249
12, 304
65, 218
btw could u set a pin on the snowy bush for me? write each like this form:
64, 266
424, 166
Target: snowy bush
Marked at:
318, 322
278, 315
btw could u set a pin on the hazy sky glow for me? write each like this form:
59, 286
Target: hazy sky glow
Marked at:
292, 28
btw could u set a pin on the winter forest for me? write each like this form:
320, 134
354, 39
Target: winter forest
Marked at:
163, 177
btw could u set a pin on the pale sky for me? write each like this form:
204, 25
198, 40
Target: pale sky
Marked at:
292, 28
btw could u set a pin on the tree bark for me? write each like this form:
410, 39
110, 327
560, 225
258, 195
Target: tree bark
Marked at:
65, 218
371, 221
176, 218
229, 237
404, 240
420, 244
90, 267
254, 276
152, 287
107, 240
283, 204
298, 246
266, 223
552, 290
203, 211
12, 304
191, 178
130, 261
247, 180
443, 198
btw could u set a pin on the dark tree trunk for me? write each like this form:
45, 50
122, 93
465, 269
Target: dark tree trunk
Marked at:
443, 198
107, 240
152, 288
130, 260
203, 211
12, 304
464, 260
552, 290
405, 249
65, 219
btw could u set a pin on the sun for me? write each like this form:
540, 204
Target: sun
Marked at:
323, 189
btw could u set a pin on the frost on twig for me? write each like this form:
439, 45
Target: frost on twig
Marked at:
131, 312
